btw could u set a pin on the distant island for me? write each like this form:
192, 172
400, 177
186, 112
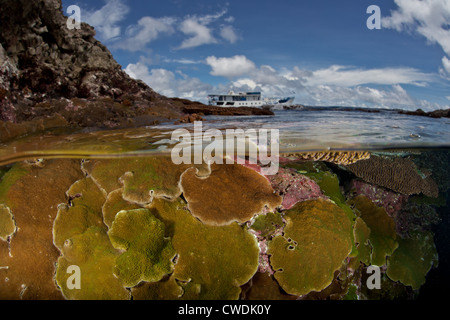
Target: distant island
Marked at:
418, 112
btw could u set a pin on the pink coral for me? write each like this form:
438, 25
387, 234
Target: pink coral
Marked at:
294, 187
391, 201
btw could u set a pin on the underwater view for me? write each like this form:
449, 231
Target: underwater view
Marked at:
196, 163
112, 207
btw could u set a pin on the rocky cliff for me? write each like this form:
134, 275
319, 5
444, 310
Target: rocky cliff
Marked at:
52, 76
48, 69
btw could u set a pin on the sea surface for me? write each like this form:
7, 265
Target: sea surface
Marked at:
45, 178
299, 131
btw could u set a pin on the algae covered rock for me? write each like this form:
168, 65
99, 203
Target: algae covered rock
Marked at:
412, 260
148, 254
317, 239
231, 193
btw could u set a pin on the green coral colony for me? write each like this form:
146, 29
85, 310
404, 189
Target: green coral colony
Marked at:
144, 228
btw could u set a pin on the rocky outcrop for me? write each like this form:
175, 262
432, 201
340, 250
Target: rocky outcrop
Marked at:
43, 61
48, 70
431, 114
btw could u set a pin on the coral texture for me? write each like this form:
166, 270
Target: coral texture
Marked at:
33, 194
243, 193
412, 260
148, 254
383, 238
301, 257
400, 175
7, 224
213, 261
336, 157
294, 187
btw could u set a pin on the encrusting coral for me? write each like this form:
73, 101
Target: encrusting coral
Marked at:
412, 260
83, 212
148, 254
361, 234
141, 179
382, 237
225, 232
399, 174
93, 253
113, 204
7, 224
213, 261
240, 191
81, 236
336, 157
302, 258
33, 194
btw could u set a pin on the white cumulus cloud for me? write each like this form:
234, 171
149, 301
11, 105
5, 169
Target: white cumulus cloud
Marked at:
198, 29
168, 83
105, 20
430, 18
445, 70
145, 31
200, 34
230, 67
348, 76
229, 34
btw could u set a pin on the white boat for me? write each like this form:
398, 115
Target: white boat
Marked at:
247, 99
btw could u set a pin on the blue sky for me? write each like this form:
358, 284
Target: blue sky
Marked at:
320, 51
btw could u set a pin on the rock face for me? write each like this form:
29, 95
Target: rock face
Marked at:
42, 60
48, 70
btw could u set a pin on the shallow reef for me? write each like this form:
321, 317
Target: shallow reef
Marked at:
144, 228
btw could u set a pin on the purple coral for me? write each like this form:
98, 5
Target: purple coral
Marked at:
291, 185
294, 187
